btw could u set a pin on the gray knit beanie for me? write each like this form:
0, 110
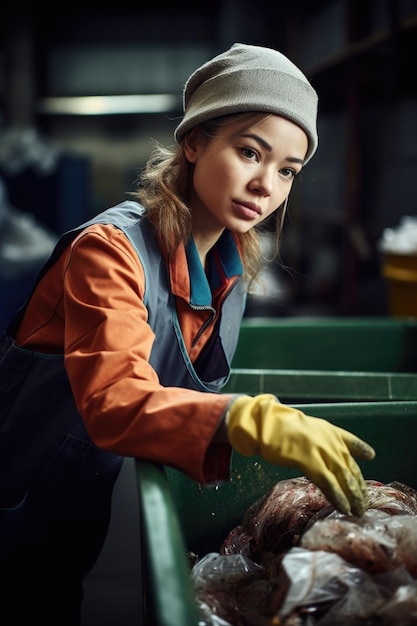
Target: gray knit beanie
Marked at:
250, 78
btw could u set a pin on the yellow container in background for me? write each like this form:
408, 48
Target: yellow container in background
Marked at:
400, 273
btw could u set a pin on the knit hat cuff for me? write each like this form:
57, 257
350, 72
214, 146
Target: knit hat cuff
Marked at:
271, 91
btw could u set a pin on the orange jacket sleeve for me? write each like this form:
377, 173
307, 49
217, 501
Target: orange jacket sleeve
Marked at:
107, 343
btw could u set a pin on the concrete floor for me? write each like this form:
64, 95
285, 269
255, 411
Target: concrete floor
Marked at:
113, 587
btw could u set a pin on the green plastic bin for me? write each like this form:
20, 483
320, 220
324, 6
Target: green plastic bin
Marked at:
179, 516
324, 386
372, 344
327, 359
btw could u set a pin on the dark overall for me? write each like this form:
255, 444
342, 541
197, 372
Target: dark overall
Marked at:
55, 484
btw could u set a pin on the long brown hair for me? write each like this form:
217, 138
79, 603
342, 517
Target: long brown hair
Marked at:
164, 186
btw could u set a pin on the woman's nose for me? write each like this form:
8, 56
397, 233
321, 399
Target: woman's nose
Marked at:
263, 183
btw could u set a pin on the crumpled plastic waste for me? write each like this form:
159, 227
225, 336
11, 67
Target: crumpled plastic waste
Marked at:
402, 239
215, 568
317, 577
324, 589
348, 594
211, 573
25, 244
22, 148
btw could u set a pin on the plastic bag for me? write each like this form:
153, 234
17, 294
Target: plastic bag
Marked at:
317, 577
215, 569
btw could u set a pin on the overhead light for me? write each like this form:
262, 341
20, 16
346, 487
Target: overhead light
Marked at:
110, 105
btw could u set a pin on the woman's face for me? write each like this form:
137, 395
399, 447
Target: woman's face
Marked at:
240, 176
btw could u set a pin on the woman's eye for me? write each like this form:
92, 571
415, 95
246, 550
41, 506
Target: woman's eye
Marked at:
288, 172
249, 153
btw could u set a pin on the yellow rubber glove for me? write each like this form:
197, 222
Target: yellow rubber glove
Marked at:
285, 436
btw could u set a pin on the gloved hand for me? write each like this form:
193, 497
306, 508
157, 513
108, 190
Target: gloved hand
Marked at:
285, 436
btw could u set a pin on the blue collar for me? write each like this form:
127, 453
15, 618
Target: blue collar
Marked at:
223, 262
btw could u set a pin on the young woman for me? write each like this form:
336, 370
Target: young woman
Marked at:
126, 341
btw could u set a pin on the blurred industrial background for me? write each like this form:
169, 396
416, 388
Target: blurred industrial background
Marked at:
65, 156
85, 88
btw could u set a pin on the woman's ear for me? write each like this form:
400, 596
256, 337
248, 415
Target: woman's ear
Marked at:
191, 144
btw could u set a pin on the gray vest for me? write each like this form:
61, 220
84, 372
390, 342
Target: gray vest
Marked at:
37, 412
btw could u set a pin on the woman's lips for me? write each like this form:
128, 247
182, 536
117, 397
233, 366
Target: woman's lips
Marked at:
247, 210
